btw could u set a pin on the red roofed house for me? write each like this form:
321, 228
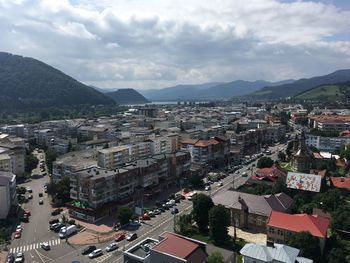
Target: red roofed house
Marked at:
280, 226
268, 175
341, 182
169, 247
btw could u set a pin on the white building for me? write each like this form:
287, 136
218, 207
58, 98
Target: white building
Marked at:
8, 196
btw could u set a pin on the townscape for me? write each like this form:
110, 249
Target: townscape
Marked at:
149, 181
165, 131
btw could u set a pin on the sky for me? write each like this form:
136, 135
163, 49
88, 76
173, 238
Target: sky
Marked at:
160, 43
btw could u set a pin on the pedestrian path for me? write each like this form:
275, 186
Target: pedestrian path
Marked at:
30, 247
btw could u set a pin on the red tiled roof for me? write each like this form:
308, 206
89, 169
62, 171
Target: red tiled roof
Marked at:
189, 141
205, 143
331, 118
178, 246
341, 182
316, 225
265, 171
340, 163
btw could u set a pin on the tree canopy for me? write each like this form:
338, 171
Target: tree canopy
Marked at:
201, 206
265, 162
219, 221
31, 162
215, 257
309, 245
124, 215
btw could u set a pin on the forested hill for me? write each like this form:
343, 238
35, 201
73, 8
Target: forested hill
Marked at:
29, 83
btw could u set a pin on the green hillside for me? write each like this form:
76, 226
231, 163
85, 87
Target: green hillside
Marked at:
29, 83
127, 96
335, 92
300, 86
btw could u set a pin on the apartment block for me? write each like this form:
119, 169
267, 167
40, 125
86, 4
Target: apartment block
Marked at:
330, 123
13, 148
8, 197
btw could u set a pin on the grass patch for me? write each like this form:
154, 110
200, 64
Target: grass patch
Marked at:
288, 166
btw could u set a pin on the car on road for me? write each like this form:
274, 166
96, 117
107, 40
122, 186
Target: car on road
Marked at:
174, 210
96, 253
88, 250
56, 227
244, 174
10, 258
17, 235
207, 188
19, 257
220, 184
111, 247
29, 190
131, 237
191, 195
40, 194
119, 236
45, 246
30, 196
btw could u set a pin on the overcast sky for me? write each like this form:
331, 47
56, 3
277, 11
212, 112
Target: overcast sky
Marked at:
159, 43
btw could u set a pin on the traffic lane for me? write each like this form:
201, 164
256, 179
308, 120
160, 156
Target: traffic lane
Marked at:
37, 227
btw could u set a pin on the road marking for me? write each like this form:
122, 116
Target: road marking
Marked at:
44, 258
103, 257
30, 247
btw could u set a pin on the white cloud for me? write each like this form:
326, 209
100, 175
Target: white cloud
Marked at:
158, 43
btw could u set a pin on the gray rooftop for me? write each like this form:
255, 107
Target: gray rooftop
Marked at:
261, 205
97, 172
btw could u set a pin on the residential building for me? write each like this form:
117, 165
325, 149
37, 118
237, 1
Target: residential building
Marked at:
252, 211
327, 144
342, 183
14, 148
281, 226
114, 157
257, 253
67, 164
170, 247
8, 196
330, 123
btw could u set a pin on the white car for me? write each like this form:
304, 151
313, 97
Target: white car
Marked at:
19, 258
96, 253
207, 188
220, 184
111, 247
45, 246
29, 190
19, 227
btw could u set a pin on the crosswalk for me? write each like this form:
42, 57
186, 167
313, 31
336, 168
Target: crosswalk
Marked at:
102, 258
30, 247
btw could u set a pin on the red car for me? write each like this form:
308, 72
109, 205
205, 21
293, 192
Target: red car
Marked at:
119, 236
18, 235
27, 212
145, 217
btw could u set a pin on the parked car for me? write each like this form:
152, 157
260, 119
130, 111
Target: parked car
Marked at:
207, 188
119, 236
146, 217
19, 257
67, 231
40, 194
220, 184
174, 210
134, 223
56, 211
131, 237
30, 196
151, 214
53, 221
96, 253
17, 235
25, 218
88, 250
41, 202
10, 258
111, 247
157, 211
29, 190
45, 246
19, 227
27, 212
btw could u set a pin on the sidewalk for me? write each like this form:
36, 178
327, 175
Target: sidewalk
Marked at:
104, 226
86, 238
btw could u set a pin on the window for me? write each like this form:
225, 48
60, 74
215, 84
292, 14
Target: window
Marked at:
271, 230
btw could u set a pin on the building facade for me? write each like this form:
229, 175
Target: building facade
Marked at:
8, 196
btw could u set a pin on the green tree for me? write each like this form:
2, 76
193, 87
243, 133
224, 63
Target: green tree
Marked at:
215, 257
330, 200
31, 162
184, 224
309, 245
124, 215
265, 162
289, 148
282, 156
219, 221
341, 219
195, 181
201, 206
21, 190
60, 190
50, 157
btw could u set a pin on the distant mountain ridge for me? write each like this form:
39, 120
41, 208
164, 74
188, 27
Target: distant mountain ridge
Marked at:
127, 96
301, 85
29, 83
207, 91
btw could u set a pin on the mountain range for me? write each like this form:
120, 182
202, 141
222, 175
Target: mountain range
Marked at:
208, 91
300, 86
29, 83
126, 96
